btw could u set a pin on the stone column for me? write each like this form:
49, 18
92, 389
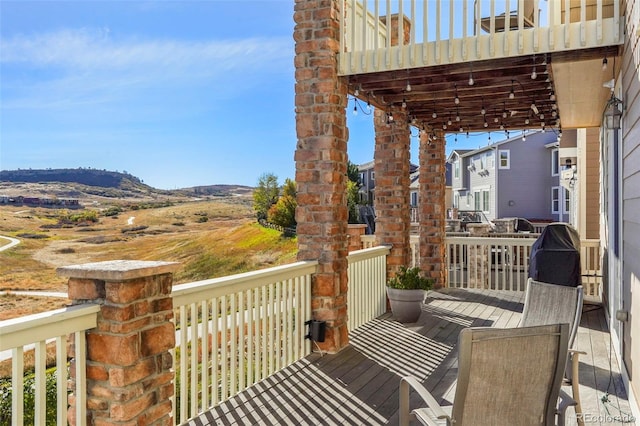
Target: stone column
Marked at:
432, 208
392, 203
129, 367
356, 231
321, 162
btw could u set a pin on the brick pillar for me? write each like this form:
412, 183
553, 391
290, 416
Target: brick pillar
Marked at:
395, 28
432, 208
391, 166
321, 162
129, 367
356, 231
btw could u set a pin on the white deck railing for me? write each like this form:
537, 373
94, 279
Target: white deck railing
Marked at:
237, 330
367, 298
456, 31
32, 334
502, 262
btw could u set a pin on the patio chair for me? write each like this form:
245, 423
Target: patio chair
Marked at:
546, 303
505, 377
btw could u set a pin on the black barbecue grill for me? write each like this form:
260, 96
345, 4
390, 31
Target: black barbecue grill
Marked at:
555, 256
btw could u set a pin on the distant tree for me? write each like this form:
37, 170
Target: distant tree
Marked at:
265, 195
283, 212
353, 186
353, 173
352, 201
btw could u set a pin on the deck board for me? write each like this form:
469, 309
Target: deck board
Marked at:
359, 385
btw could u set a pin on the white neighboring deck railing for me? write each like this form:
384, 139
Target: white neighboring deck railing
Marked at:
367, 297
456, 31
32, 332
237, 330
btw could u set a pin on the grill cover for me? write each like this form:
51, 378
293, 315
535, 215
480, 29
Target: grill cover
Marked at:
555, 256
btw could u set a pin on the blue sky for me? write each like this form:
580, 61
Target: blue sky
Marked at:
177, 93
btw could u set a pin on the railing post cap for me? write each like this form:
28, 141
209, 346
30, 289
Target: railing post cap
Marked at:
114, 270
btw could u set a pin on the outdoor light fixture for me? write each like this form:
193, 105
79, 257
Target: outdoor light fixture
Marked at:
404, 103
471, 81
456, 100
604, 64
408, 88
534, 108
316, 330
613, 113
511, 94
524, 136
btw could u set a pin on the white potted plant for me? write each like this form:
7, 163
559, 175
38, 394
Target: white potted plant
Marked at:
406, 291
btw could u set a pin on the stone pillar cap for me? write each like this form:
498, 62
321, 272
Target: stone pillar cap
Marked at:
115, 270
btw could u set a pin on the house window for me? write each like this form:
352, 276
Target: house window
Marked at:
373, 176
554, 162
567, 201
456, 169
414, 199
490, 162
503, 159
555, 200
481, 200
456, 200
485, 201
362, 181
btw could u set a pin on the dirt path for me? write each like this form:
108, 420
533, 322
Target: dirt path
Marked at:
12, 242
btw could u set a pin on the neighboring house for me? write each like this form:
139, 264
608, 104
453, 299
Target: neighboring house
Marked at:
516, 177
367, 181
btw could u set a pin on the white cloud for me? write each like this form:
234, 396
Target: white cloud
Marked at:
96, 50
90, 65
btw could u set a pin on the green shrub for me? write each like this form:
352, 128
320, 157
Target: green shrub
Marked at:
29, 399
410, 279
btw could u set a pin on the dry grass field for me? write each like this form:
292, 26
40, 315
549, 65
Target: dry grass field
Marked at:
209, 238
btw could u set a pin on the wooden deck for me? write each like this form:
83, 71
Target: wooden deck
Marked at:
359, 386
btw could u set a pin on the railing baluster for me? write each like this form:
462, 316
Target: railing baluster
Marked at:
61, 380
40, 382
224, 351
233, 350
204, 373
250, 336
193, 330
215, 351
184, 381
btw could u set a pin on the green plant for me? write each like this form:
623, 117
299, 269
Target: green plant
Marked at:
410, 279
29, 399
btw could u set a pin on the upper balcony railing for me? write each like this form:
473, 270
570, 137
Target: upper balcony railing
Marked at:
453, 31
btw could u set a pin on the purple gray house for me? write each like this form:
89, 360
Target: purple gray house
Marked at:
515, 177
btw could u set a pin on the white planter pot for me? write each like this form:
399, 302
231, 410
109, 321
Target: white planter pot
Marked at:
406, 305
